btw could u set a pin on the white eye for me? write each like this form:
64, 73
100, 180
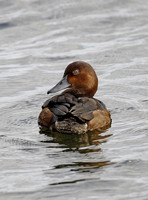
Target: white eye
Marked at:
75, 72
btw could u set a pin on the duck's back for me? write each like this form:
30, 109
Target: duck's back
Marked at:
71, 113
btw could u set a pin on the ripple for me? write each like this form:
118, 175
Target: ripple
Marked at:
37, 41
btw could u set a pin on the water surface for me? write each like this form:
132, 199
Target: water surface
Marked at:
38, 40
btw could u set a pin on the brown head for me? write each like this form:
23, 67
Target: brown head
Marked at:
79, 79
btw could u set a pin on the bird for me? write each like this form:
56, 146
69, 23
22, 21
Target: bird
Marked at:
75, 110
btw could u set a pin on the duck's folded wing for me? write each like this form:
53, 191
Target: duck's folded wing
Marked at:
84, 108
61, 104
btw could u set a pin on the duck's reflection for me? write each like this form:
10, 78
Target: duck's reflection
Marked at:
84, 166
84, 143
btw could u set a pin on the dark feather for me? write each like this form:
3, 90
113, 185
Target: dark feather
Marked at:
62, 107
66, 105
57, 111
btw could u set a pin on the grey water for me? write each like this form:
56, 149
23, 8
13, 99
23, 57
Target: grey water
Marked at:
38, 39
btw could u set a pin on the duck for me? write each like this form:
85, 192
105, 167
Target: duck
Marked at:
75, 110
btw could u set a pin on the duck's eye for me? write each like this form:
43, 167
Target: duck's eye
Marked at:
75, 72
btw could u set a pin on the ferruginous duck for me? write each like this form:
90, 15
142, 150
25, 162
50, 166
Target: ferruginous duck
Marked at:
75, 110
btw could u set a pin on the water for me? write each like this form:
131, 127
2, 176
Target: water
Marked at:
38, 40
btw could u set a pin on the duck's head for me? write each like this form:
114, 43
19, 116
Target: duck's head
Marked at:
79, 79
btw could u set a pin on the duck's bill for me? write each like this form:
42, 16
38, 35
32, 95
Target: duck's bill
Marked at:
63, 84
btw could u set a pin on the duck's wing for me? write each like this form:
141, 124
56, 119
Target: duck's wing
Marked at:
83, 109
60, 105
67, 105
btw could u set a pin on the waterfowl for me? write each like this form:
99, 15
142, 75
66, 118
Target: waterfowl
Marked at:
75, 110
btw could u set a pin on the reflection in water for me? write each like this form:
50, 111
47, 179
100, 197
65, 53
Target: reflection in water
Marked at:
84, 166
81, 167
83, 143
68, 182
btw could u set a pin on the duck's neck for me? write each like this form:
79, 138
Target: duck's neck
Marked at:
79, 92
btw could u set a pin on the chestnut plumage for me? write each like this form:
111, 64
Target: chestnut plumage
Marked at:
75, 110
